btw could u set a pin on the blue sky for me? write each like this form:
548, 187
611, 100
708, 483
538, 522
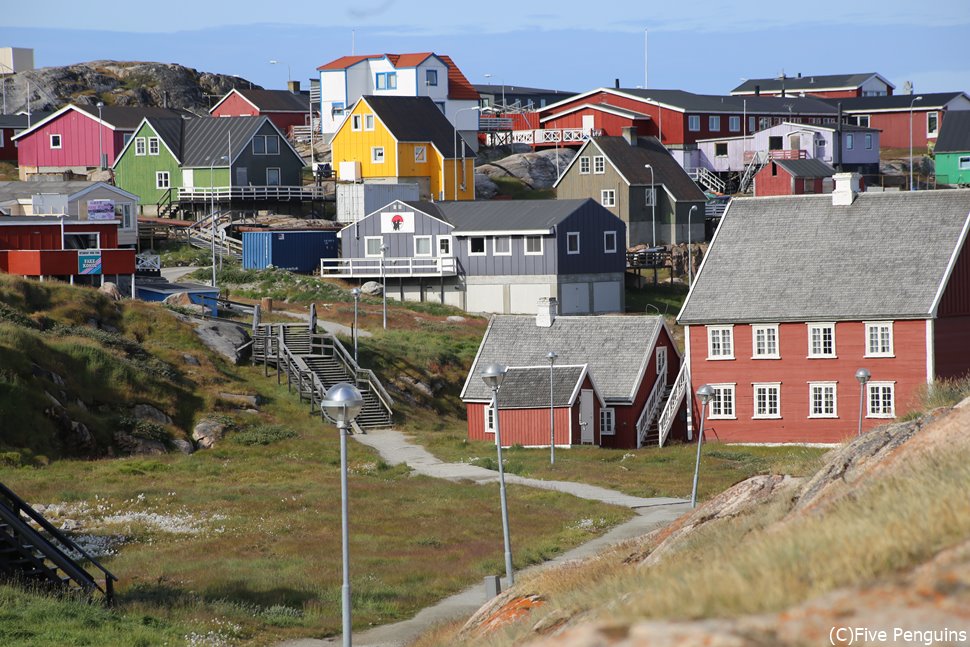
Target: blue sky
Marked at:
704, 46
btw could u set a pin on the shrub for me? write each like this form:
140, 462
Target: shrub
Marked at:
263, 435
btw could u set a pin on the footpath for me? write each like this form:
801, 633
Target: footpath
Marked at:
395, 448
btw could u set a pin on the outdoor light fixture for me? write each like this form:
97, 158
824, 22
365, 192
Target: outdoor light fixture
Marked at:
356, 294
912, 186
212, 214
552, 416
690, 254
384, 249
289, 76
863, 375
493, 376
653, 205
341, 404
704, 394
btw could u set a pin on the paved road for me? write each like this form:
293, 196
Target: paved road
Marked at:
395, 448
173, 274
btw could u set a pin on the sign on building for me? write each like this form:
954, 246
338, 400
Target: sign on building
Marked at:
89, 262
101, 209
397, 222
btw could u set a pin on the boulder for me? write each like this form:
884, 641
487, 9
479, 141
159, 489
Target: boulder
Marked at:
456, 319
485, 189
190, 360
372, 288
148, 412
111, 291
537, 170
251, 401
183, 446
224, 338
208, 432
139, 446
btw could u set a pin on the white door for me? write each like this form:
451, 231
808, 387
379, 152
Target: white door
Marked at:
523, 297
586, 417
606, 296
575, 298
588, 124
188, 178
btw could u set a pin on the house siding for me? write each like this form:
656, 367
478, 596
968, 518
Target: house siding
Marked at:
79, 143
8, 148
590, 221
236, 106
290, 164
895, 127
948, 168
401, 245
516, 264
136, 173
526, 427
951, 329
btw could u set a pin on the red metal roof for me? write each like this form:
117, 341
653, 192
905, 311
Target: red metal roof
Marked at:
344, 62
458, 86
411, 60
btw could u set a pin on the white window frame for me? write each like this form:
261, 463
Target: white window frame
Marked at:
725, 146
489, 419
450, 252
368, 122
420, 154
60, 141
719, 333
570, 237
714, 123
724, 394
430, 240
661, 359
649, 196
608, 246
607, 421
608, 197
963, 163
879, 411
356, 122
882, 326
820, 326
849, 141
163, 180
599, 165
376, 154
584, 165
261, 143
495, 249
140, 148
525, 246
694, 123
279, 175
484, 251
767, 329
768, 388
869, 141
734, 124
271, 138
812, 386
936, 119
367, 241
153, 146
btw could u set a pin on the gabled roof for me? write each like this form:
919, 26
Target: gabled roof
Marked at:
270, 100
810, 168
458, 86
954, 135
123, 118
527, 387
71, 188
522, 216
617, 350
815, 83
414, 119
800, 258
603, 107
344, 62
205, 139
930, 101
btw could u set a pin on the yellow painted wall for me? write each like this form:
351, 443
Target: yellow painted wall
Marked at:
355, 145
445, 179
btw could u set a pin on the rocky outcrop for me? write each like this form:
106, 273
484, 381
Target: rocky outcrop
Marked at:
111, 291
225, 339
485, 189
208, 432
372, 288
148, 412
536, 170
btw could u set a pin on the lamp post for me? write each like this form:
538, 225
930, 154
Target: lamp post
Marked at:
863, 375
100, 138
660, 121
912, 186
704, 394
384, 283
212, 211
342, 403
690, 253
493, 375
356, 294
653, 206
289, 77
552, 412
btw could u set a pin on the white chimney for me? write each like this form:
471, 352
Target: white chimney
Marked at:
846, 188
548, 309
630, 135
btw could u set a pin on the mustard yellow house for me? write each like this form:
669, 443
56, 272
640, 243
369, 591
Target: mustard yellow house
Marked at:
404, 139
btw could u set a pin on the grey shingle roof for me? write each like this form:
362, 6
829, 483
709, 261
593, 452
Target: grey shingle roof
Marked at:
207, 138
501, 215
806, 83
526, 387
170, 131
416, 119
954, 136
716, 103
616, 348
895, 102
806, 168
799, 258
277, 100
128, 117
630, 161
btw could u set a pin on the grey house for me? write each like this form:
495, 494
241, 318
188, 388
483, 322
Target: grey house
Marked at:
655, 203
498, 257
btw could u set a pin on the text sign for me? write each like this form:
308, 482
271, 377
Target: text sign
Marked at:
101, 209
89, 262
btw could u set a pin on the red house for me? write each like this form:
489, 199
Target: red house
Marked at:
71, 139
283, 107
609, 380
793, 177
892, 115
798, 293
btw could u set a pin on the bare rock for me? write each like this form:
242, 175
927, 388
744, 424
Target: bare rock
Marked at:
485, 188
183, 446
81, 437
371, 288
208, 432
456, 319
417, 385
139, 446
191, 360
148, 412
111, 291
251, 401
224, 338
538, 170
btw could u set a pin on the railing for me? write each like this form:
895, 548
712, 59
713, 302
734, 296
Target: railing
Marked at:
200, 232
489, 124
794, 154
666, 420
147, 262
758, 160
301, 132
403, 266
360, 375
542, 136
267, 192
710, 181
651, 407
716, 208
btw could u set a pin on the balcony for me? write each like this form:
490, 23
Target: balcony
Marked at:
542, 137
394, 267
249, 193
798, 154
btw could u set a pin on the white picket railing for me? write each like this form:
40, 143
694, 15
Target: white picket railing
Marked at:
669, 413
403, 266
651, 407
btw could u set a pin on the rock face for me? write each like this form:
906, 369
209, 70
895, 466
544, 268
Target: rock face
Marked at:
208, 432
371, 288
536, 170
130, 444
111, 291
224, 338
485, 189
148, 412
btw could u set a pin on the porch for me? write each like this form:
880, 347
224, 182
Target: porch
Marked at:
388, 267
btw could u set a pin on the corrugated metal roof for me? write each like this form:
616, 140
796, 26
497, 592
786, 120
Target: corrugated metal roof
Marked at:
800, 258
527, 387
630, 160
929, 101
807, 83
170, 132
207, 138
501, 215
954, 135
415, 119
806, 168
277, 100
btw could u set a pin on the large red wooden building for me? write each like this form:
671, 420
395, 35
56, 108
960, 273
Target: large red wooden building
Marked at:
798, 293
893, 116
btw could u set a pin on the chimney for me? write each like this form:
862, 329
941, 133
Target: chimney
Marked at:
548, 309
846, 188
799, 75
293, 86
616, 83
630, 135
757, 90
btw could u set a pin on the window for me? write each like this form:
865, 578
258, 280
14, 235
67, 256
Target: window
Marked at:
372, 246
599, 165
572, 242
337, 108
126, 219
607, 422
734, 124
422, 245
266, 145
139, 145
420, 154
377, 154
764, 341
776, 143
533, 245
661, 360
822, 400
441, 106
750, 124
964, 163
714, 123
125, 139
868, 141
879, 339
649, 196
489, 420
821, 340
387, 81
861, 120
444, 245
693, 123
767, 399
881, 400
476, 246
584, 165
609, 242
153, 145
722, 404
720, 342
162, 180
808, 185
368, 122
849, 141
720, 149
502, 245
259, 145
932, 123
272, 176
431, 77
764, 122
355, 122
608, 198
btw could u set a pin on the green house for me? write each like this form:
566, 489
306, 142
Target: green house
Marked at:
181, 165
952, 151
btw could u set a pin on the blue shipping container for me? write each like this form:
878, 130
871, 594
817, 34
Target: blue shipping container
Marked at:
297, 251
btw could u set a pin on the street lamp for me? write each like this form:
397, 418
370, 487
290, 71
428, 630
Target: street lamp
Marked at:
704, 394
690, 254
289, 77
463, 179
863, 375
493, 375
342, 403
911, 183
212, 211
552, 413
100, 138
384, 249
488, 76
653, 205
356, 294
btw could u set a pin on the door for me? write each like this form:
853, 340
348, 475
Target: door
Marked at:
795, 142
586, 417
272, 176
188, 178
242, 176
588, 124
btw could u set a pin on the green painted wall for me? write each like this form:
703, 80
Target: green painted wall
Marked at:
948, 168
203, 180
136, 173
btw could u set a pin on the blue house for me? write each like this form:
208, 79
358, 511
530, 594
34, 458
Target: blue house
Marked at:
497, 256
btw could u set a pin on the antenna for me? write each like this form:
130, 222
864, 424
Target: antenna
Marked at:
353, 42
645, 41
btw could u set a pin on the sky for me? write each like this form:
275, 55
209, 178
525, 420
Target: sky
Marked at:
704, 46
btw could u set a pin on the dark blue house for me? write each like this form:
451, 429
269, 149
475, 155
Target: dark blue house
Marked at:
491, 256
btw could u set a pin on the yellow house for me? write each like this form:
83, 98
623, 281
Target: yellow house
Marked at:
404, 139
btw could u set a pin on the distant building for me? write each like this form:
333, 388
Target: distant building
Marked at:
893, 115
793, 177
518, 97
834, 86
952, 152
16, 59
284, 108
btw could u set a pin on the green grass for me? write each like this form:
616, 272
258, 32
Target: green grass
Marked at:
512, 188
178, 254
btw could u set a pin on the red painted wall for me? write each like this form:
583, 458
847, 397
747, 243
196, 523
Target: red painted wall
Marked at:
611, 125
236, 106
64, 263
895, 128
782, 183
528, 427
794, 371
47, 235
8, 149
952, 329
79, 143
